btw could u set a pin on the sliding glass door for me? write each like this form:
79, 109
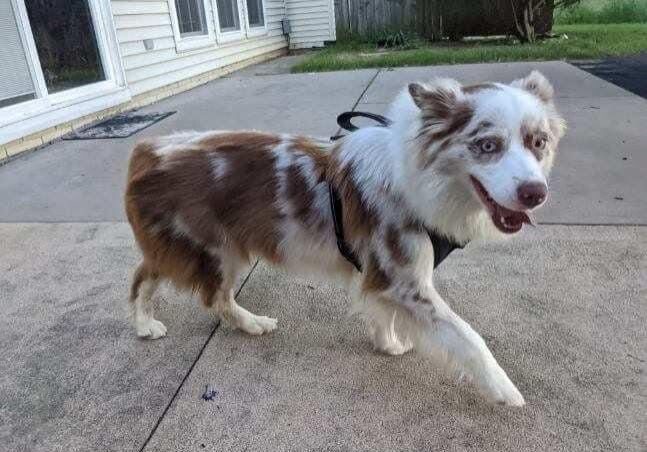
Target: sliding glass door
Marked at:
66, 42
51, 51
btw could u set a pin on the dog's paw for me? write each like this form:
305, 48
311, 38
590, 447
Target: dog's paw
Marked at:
257, 325
498, 389
394, 348
151, 329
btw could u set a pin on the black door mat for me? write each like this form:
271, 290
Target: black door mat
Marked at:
625, 72
120, 126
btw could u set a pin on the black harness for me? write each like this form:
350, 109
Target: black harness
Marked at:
441, 244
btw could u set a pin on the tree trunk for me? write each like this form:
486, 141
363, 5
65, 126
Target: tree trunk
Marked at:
523, 12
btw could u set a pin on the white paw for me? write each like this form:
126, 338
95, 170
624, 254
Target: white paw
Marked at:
151, 329
498, 389
257, 324
394, 348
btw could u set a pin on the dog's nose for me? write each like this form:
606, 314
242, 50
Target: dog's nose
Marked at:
532, 194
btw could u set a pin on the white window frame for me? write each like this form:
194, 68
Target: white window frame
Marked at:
231, 35
257, 30
47, 109
187, 43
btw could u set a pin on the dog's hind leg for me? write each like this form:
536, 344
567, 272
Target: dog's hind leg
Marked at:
143, 288
223, 302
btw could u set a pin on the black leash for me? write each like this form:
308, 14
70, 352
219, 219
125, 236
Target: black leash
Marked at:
441, 244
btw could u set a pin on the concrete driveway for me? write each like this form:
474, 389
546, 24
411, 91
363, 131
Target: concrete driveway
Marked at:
563, 307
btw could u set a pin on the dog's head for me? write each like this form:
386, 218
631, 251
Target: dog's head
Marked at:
497, 141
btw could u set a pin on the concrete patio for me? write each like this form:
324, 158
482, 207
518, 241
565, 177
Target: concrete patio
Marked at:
563, 307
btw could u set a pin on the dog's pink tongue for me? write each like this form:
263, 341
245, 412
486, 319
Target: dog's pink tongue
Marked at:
514, 217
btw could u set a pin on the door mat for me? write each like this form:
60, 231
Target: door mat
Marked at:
120, 126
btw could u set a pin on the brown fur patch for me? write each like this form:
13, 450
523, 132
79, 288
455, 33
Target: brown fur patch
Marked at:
181, 188
375, 280
240, 141
461, 116
435, 103
394, 245
316, 152
141, 274
151, 202
529, 134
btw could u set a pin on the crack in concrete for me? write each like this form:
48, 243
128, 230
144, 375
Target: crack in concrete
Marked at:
195, 361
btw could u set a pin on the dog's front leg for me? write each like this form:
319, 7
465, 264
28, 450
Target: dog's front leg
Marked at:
419, 314
446, 334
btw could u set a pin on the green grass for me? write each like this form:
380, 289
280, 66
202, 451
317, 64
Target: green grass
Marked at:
575, 42
603, 12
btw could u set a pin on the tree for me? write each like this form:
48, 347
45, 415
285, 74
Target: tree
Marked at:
525, 13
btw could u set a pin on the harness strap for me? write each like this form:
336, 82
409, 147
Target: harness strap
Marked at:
338, 221
443, 247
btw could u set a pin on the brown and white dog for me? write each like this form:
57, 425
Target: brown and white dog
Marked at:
469, 162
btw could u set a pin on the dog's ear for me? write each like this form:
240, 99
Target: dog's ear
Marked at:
438, 99
535, 83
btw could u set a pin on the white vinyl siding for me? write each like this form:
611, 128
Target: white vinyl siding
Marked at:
150, 19
312, 22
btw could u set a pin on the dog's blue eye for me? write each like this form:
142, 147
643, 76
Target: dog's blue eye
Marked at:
488, 146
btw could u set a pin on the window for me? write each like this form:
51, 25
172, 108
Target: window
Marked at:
255, 13
191, 27
191, 17
228, 15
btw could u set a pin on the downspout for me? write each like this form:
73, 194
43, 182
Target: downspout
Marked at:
285, 23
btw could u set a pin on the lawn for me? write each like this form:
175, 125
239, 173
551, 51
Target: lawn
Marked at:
575, 41
603, 12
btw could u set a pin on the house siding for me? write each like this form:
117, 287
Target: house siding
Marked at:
312, 22
163, 65
151, 75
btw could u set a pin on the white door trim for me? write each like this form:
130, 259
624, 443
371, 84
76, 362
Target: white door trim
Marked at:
29, 45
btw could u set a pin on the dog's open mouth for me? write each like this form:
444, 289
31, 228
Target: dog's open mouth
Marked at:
506, 220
